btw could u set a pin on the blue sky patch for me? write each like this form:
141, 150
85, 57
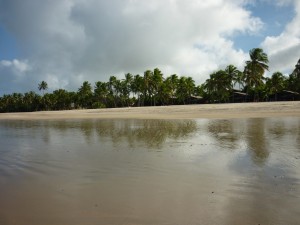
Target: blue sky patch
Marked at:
8, 45
274, 18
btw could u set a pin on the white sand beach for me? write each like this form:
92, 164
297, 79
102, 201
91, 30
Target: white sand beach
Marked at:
236, 110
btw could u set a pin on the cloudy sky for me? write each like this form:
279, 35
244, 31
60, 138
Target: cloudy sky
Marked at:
65, 42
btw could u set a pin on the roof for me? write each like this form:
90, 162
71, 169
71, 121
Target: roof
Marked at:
291, 92
240, 93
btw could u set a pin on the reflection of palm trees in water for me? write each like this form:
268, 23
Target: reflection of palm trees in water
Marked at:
265, 187
256, 140
149, 133
86, 130
225, 132
153, 133
298, 136
229, 133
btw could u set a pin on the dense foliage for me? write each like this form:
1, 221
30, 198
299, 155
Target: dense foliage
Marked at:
153, 89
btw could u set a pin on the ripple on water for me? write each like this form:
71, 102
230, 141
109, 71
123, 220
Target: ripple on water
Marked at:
240, 171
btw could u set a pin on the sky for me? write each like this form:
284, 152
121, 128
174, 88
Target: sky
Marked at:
67, 42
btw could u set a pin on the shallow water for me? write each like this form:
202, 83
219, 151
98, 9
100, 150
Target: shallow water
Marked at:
240, 171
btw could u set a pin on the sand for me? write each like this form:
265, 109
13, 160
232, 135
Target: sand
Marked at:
221, 111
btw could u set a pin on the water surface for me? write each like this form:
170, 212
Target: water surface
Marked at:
239, 171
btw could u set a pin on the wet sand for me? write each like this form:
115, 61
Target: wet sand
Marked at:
212, 111
150, 172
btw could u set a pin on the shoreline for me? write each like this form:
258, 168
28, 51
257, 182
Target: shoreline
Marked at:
197, 111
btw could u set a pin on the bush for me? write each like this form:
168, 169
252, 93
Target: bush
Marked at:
98, 105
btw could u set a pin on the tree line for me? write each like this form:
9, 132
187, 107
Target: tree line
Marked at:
154, 89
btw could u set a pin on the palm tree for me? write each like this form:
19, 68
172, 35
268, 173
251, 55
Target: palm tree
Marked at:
172, 86
157, 80
119, 86
165, 92
185, 89
239, 79
13, 103
276, 83
297, 69
85, 94
190, 86
43, 86
294, 79
137, 87
199, 90
114, 88
101, 92
48, 101
181, 91
127, 87
32, 101
233, 73
218, 86
255, 68
62, 100
147, 88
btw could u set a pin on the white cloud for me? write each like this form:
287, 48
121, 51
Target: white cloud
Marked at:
69, 41
284, 50
19, 67
281, 3
14, 73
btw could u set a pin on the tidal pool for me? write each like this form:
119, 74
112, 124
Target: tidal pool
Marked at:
127, 172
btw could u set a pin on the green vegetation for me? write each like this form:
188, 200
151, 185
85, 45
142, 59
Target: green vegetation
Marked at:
43, 86
151, 89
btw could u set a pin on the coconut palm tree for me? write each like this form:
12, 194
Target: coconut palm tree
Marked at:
48, 101
209, 89
137, 87
239, 79
43, 86
62, 100
101, 92
190, 85
234, 74
32, 101
297, 69
181, 92
85, 94
148, 87
255, 68
112, 83
294, 79
127, 87
218, 86
276, 83
157, 80
185, 89
172, 86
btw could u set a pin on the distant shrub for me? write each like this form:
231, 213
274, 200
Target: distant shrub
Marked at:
98, 105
